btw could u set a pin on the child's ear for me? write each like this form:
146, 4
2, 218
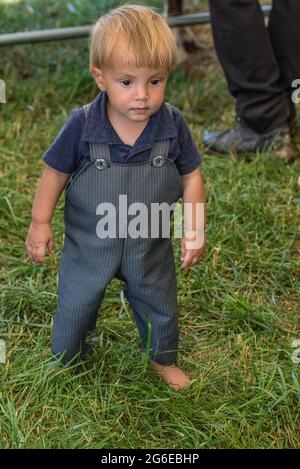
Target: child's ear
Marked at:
98, 77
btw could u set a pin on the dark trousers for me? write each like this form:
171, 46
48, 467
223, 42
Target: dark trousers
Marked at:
259, 62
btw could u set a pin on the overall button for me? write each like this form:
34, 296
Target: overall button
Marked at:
100, 163
158, 161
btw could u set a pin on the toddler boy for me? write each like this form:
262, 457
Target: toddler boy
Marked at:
127, 142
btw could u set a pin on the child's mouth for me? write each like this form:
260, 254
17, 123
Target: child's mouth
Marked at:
140, 109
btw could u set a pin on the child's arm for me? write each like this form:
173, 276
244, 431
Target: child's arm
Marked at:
193, 242
40, 233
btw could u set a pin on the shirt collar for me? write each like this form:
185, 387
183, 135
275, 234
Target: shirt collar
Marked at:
97, 127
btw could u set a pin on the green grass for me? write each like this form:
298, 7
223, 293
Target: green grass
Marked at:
239, 309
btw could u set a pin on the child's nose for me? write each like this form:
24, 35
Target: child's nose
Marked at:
142, 92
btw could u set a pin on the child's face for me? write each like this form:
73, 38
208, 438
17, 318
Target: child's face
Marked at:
134, 94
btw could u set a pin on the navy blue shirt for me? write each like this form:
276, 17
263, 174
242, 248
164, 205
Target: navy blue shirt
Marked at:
70, 151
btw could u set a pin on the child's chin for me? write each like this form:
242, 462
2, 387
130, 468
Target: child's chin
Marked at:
140, 117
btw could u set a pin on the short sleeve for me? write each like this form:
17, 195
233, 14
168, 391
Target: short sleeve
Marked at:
189, 157
63, 153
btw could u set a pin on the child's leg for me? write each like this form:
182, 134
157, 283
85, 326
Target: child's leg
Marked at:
75, 317
157, 325
152, 293
163, 341
81, 287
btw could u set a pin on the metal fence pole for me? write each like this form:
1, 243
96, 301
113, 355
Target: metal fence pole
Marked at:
47, 35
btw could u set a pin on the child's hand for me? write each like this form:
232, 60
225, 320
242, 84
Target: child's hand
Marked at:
191, 257
40, 236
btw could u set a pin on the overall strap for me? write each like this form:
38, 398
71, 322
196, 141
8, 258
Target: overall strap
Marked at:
161, 147
169, 107
86, 108
97, 150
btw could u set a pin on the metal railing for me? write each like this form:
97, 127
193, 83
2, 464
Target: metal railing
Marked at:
47, 35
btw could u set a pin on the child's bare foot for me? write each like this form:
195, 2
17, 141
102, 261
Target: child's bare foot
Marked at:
172, 375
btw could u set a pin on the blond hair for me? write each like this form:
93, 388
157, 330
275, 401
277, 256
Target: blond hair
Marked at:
143, 33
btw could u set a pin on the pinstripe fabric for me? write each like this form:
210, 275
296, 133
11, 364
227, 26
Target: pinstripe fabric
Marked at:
88, 263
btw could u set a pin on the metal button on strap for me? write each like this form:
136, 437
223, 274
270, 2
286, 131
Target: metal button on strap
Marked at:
158, 161
100, 163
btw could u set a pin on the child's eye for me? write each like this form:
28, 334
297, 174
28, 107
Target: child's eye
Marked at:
126, 82
155, 81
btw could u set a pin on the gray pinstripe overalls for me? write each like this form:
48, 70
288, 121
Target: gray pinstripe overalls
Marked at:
88, 263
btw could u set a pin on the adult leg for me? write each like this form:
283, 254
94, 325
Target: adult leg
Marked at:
245, 51
285, 37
